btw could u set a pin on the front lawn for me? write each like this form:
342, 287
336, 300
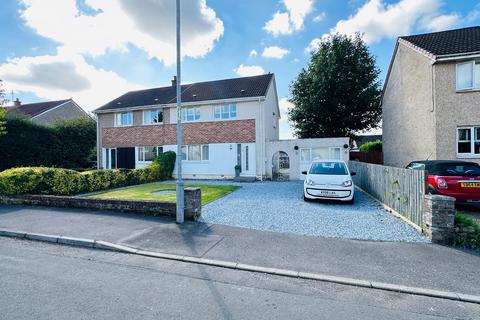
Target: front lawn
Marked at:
147, 192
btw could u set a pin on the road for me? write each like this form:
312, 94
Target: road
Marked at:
48, 281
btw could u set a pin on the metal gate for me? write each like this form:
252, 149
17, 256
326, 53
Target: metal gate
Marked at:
280, 166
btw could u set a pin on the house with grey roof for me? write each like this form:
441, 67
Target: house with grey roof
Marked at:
225, 123
431, 98
49, 112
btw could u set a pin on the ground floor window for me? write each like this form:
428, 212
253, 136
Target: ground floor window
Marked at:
148, 154
195, 152
311, 154
468, 141
110, 158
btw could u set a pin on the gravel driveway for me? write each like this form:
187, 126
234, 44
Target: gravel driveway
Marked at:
279, 206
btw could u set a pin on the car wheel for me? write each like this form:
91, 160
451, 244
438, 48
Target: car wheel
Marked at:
306, 199
351, 201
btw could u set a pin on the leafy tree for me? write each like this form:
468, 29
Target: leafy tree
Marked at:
338, 94
371, 146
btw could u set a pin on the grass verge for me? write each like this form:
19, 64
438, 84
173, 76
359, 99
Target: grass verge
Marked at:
147, 192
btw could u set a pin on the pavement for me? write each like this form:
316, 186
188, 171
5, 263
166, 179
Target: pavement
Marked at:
279, 206
47, 281
410, 264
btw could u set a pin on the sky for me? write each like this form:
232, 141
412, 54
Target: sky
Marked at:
96, 50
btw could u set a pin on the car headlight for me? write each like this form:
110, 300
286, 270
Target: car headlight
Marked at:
309, 182
347, 183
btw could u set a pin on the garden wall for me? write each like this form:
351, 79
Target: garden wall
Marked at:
193, 204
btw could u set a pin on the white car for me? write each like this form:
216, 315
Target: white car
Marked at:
329, 180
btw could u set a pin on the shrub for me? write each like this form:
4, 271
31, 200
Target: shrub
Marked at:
371, 146
55, 181
467, 231
68, 144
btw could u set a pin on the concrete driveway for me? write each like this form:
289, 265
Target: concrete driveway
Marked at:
279, 206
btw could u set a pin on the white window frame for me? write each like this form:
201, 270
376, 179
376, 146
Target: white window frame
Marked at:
309, 154
475, 86
118, 116
142, 159
473, 140
195, 110
152, 123
331, 151
204, 157
218, 110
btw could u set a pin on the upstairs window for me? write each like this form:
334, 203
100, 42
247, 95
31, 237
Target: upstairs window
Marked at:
190, 114
228, 111
152, 116
124, 119
468, 141
468, 75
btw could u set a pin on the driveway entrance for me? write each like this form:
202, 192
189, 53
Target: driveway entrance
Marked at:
279, 206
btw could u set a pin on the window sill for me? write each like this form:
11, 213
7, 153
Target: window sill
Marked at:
124, 126
468, 156
467, 90
229, 119
153, 124
196, 161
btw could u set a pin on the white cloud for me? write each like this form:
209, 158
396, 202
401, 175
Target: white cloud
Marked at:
275, 52
377, 20
441, 22
63, 76
320, 17
148, 25
253, 53
291, 20
247, 71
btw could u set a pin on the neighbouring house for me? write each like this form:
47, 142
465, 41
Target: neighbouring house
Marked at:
225, 123
49, 112
431, 98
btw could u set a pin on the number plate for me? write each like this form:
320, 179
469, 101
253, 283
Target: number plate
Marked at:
328, 193
470, 184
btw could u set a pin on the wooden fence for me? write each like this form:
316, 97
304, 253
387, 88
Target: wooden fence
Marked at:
375, 157
403, 190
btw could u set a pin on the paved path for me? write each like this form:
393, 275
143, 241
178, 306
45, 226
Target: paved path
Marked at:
411, 264
279, 206
43, 281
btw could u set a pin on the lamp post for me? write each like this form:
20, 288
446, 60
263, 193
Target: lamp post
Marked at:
180, 190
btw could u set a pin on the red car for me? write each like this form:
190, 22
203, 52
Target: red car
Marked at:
458, 179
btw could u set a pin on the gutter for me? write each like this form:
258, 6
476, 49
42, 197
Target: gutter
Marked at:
184, 104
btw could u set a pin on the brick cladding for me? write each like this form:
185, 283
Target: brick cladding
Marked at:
237, 131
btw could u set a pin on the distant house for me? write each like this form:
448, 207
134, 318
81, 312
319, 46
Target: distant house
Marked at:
431, 99
49, 112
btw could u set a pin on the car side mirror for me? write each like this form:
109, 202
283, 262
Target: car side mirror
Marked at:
353, 173
304, 172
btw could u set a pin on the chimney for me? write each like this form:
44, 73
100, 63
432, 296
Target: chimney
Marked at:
17, 103
174, 81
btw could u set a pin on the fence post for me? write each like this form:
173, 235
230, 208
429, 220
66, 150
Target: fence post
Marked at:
439, 218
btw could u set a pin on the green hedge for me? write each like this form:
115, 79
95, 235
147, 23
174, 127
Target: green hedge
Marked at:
371, 146
467, 231
56, 181
68, 144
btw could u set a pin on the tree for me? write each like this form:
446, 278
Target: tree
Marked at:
3, 111
338, 94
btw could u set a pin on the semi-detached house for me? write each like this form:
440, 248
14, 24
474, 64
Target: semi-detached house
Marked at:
225, 123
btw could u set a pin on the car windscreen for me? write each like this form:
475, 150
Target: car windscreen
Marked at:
330, 168
455, 170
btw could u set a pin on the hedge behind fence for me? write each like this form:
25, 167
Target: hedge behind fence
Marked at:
68, 144
56, 181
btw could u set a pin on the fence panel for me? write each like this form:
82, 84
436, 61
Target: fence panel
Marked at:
402, 190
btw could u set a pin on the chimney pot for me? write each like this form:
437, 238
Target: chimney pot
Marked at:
174, 81
17, 103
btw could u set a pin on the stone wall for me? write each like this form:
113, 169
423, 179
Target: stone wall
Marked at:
439, 218
193, 204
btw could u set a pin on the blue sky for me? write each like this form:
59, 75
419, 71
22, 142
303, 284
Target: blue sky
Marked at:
95, 50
